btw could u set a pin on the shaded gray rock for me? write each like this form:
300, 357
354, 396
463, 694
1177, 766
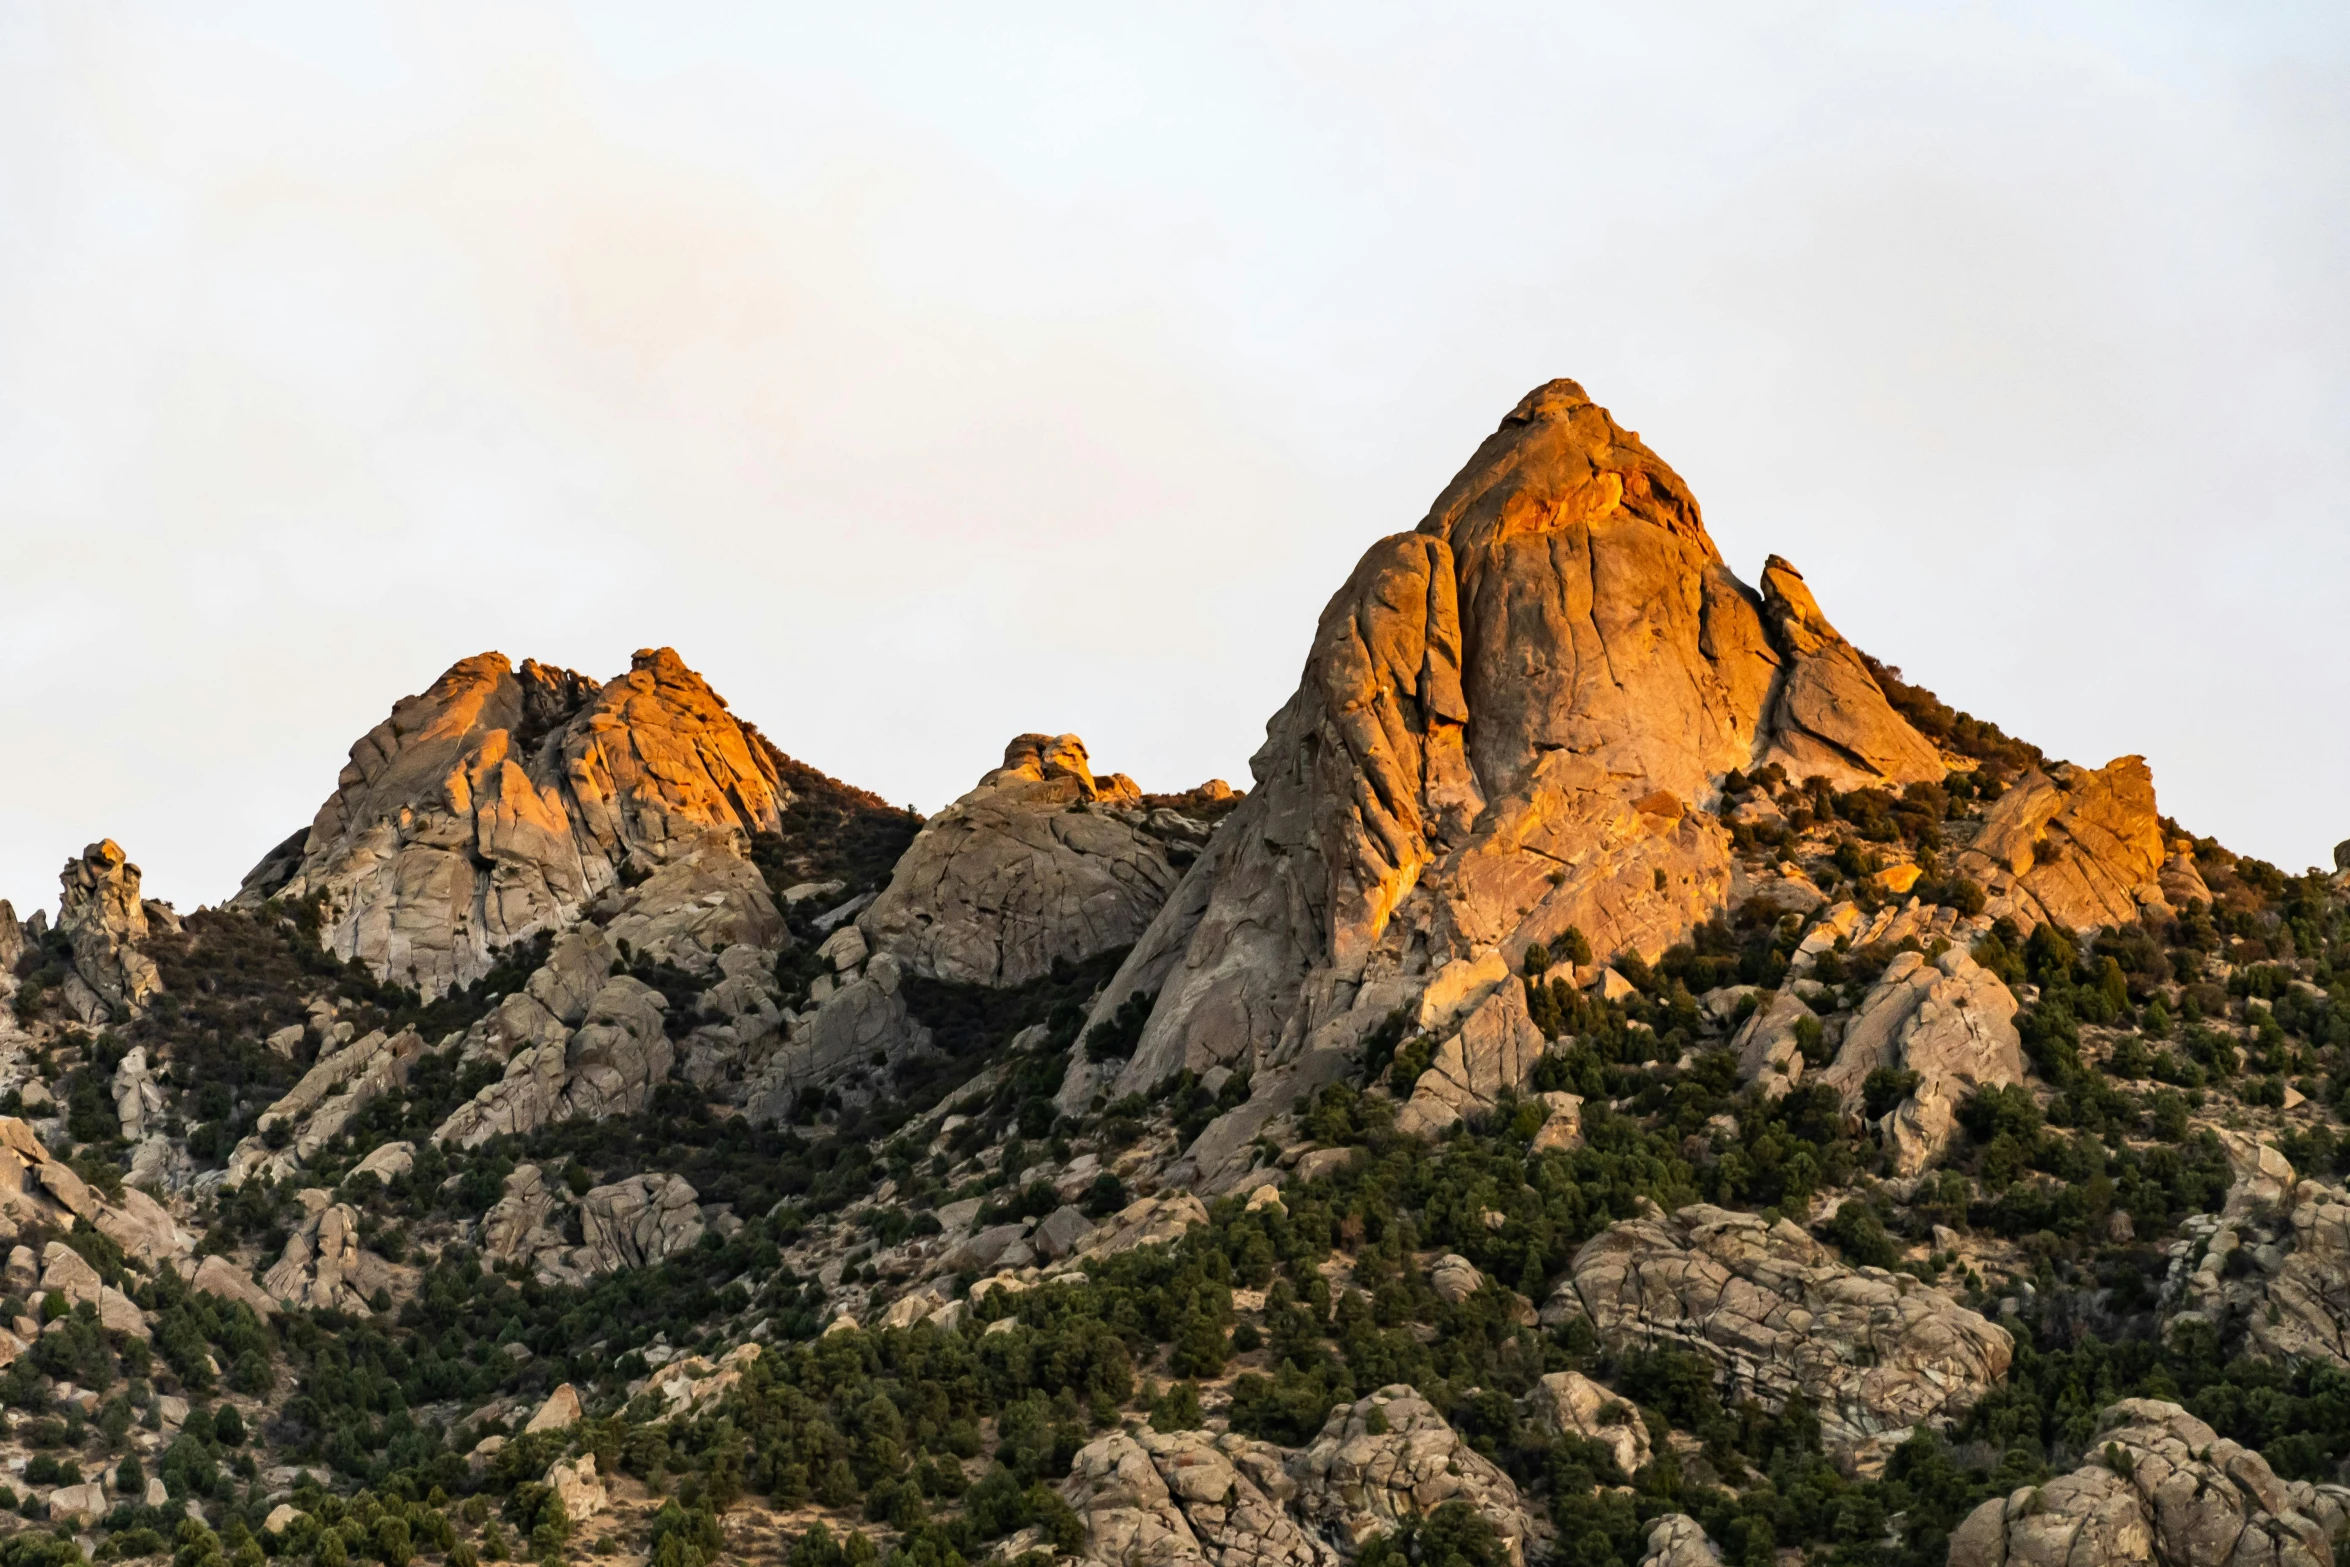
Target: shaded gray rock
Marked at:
639, 1222
1062, 1232
100, 912
1876, 1353
1355, 1482
1950, 1021
1041, 863
2161, 1486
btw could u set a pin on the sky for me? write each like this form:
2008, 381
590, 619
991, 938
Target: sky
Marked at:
926, 375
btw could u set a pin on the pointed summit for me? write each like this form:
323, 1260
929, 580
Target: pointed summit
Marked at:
1508, 727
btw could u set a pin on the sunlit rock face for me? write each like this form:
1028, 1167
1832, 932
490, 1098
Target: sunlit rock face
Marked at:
503, 801
1508, 724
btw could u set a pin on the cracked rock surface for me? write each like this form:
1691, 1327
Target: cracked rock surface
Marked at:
1876, 1353
2162, 1487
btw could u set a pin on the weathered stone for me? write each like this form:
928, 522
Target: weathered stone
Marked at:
1506, 722
325, 1268
2082, 848
1678, 1540
575, 1484
100, 912
2160, 1486
1148, 1221
1491, 1054
137, 1096
1040, 864
609, 1065
980, 1253
1769, 1043
560, 1412
218, 1276
1355, 1481
1875, 1353
502, 802
1318, 1162
523, 1221
639, 1222
328, 1098
1562, 1123
864, 1020
1160, 1499
387, 1162
82, 1504
1062, 1232
1950, 1021
1455, 1278
1568, 1403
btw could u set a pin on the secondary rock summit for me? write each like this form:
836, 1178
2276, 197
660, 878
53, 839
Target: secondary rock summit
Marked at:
501, 802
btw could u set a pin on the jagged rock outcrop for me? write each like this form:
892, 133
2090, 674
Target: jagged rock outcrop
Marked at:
1508, 722
501, 802
639, 1222
525, 1220
2160, 1486
1876, 1353
37, 1189
635, 1223
339, 1085
609, 1065
1950, 1021
12, 949
1568, 1403
2084, 849
1183, 1497
1490, 1051
325, 1268
65, 1272
1829, 717
1390, 1458
1678, 1540
861, 1018
2273, 1270
1040, 863
100, 912
137, 1096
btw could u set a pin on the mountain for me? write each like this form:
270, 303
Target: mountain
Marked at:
1632, 1079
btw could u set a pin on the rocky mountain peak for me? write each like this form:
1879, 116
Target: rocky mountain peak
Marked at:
499, 803
1508, 724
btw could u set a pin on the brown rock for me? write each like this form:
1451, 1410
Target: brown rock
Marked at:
1829, 716
2160, 1486
1041, 863
1505, 723
560, 1412
99, 910
1950, 1021
1678, 1540
1874, 1352
325, 1268
2084, 849
1358, 1480
1571, 1404
502, 802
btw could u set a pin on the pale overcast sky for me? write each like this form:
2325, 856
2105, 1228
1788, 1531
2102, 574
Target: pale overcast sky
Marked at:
930, 374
